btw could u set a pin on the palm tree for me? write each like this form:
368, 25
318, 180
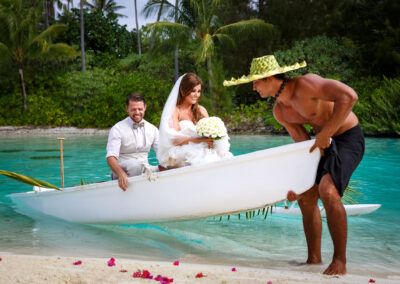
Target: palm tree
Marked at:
198, 18
49, 10
149, 9
137, 30
82, 36
106, 6
20, 39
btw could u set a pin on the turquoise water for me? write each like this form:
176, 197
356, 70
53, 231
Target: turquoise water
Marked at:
373, 239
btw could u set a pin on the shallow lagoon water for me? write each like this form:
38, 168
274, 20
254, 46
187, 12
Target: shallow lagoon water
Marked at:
373, 242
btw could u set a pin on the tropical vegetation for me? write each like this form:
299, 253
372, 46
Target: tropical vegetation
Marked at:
43, 82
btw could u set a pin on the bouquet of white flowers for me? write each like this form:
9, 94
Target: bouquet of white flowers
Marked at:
211, 127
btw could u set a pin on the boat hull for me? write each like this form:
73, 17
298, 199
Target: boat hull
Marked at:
227, 186
351, 210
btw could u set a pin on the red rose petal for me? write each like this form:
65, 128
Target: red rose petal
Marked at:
137, 274
123, 270
111, 262
1, 259
269, 282
199, 275
233, 269
176, 262
371, 280
145, 274
79, 262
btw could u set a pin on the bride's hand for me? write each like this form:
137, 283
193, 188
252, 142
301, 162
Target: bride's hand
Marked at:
209, 141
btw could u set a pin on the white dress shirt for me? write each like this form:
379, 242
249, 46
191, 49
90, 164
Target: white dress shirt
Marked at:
114, 139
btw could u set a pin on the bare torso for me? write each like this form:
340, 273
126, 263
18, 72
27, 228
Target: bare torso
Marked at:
308, 104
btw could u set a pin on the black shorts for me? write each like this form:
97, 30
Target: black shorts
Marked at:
342, 158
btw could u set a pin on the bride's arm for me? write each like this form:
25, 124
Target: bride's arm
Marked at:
179, 141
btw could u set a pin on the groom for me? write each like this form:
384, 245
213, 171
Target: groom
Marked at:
129, 142
326, 105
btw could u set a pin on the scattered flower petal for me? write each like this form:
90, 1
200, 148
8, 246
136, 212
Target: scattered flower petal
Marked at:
123, 270
199, 275
176, 262
269, 282
371, 280
233, 269
1, 259
137, 274
111, 262
145, 274
79, 262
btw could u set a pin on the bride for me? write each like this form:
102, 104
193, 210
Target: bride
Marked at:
180, 145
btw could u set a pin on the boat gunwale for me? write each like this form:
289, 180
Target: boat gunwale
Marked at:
270, 152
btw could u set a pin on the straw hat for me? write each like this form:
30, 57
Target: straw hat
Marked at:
263, 67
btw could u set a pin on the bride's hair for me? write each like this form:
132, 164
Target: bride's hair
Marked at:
189, 81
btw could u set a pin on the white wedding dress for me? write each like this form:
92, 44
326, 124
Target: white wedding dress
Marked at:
196, 153
170, 155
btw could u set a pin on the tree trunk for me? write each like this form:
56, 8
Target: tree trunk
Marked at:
82, 37
21, 77
46, 13
137, 31
153, 35
176, 63
176, 59
210, 80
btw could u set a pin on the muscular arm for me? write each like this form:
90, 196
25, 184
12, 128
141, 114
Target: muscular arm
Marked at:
296, 131
343, 98
122, 176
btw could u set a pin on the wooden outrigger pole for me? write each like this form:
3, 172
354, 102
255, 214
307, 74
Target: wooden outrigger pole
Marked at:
62, 160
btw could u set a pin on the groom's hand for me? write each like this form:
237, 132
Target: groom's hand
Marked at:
123, 181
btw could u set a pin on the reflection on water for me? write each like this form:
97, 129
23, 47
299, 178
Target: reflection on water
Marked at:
373, 242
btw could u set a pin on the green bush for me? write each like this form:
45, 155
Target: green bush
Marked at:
379, 113
42, 111
324, 56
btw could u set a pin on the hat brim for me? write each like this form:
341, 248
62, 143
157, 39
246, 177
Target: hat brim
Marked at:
246, 79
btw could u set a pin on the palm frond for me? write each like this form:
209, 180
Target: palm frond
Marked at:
60, 49
28, 180
250, 214
225, 39
205, 49
152, 7
53, 31
352, 192
5, 53
246, 26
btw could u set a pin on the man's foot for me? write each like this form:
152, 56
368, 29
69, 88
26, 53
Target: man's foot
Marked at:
314, 260
336, 268
292, 196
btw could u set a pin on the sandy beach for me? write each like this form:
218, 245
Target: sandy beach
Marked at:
41, 269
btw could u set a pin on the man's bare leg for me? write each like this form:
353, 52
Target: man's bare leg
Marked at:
337, 224
312, 224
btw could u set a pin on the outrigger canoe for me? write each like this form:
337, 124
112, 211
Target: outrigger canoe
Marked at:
242, 183
351, 210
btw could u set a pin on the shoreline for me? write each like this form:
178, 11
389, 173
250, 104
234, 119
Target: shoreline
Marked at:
30, 131
19, 268
23, 131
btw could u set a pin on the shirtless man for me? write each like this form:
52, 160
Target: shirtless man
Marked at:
326, 105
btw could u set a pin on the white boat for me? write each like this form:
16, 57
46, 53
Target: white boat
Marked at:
228, 186
351, 210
